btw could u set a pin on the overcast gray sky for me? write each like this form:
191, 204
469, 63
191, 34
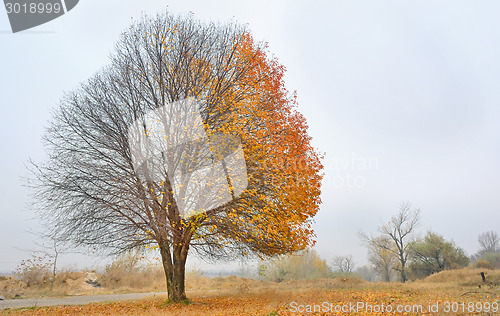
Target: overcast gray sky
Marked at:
402, 96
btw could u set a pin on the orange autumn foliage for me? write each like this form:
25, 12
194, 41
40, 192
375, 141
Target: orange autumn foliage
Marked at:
284, 172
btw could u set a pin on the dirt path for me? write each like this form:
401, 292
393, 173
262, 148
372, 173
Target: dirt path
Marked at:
72, 300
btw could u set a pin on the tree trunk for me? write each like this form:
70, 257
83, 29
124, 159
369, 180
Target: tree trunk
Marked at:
403, 276
402, 260
403, 272
174, 271
178, 276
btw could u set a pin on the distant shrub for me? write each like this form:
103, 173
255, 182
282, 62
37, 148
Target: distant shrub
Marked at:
132, 270
299, 266
491, 260
484, 264
194, 273
35, 271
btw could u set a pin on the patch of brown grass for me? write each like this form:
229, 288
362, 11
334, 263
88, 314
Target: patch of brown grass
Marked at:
275, 299
464, 277
242, 296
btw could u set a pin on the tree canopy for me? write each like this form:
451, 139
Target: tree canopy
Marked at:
93, 195
434, 254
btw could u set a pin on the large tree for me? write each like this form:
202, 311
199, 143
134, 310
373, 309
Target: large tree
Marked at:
95, 192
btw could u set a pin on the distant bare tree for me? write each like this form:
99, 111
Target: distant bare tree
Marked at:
344, 264
489, 241
398, 231
489, 253
367, 273
53, 250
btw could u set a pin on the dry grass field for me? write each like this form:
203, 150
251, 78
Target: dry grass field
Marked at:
459, 292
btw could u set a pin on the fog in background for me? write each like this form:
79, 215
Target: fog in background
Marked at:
402, 97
